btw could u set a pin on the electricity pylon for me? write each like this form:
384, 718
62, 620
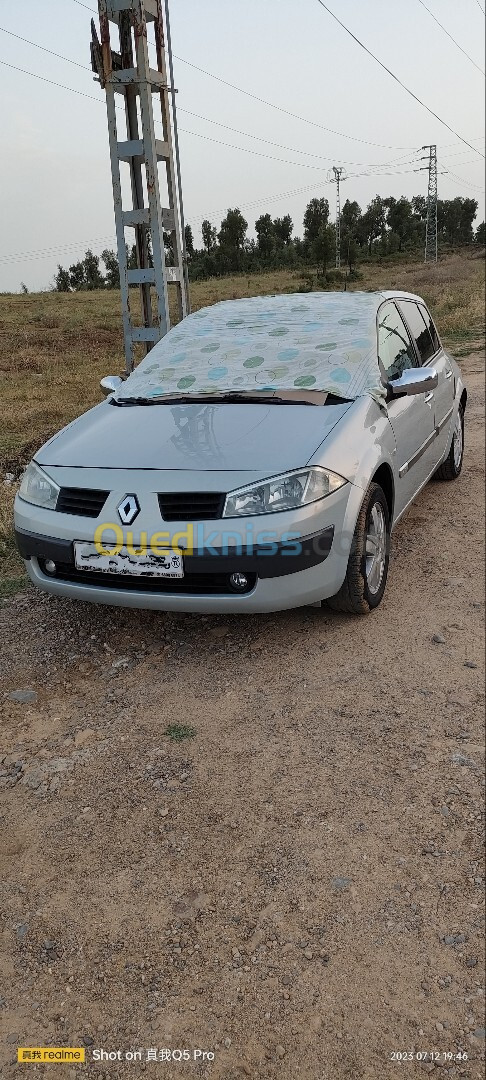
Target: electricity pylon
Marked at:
336, 176
431, 224
126, 72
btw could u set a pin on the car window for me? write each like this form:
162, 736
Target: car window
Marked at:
418, 329
430, 323
395, 348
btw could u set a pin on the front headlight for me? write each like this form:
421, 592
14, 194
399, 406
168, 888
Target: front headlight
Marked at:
37, 488
286, 492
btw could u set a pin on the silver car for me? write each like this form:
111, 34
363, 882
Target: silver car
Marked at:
257, 459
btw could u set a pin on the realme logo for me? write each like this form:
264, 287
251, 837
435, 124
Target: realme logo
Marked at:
45, 1054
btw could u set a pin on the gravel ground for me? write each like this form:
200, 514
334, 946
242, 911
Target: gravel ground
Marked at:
296, 887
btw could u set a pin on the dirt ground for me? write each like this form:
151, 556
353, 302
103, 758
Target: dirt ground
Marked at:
297, 889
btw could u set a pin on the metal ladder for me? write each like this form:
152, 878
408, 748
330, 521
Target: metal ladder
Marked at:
128, 73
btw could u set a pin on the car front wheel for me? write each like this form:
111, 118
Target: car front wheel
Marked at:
366, 574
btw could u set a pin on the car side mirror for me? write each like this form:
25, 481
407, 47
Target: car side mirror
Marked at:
414, 381
110, 383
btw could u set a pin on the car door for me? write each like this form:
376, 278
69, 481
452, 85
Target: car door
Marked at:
411, 417
445, 391
431, 354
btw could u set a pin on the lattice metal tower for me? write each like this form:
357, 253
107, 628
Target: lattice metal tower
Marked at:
129, 74
336, 176
431, 224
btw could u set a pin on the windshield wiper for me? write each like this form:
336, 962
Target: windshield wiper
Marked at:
270, 397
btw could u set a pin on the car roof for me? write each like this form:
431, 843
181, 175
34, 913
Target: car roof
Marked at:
397, 294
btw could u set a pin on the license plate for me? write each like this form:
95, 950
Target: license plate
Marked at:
167, 564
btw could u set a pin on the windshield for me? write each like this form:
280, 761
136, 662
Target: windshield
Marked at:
317, 343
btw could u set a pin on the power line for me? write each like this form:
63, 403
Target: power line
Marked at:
286, 112
397, 80
50, 51
271, 105
313, 123
51, 252
462, 181
188, 112
269, 157
207, 138
480, 7
450, 36
61, 86
219, 142
281, 146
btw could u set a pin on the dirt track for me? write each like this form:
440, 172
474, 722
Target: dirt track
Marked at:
298, 888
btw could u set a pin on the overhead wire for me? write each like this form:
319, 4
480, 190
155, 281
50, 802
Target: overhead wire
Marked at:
45, 253
188, 112
270, 104
456, 43
397, 80
197, 134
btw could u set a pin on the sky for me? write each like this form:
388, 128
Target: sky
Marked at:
55, 178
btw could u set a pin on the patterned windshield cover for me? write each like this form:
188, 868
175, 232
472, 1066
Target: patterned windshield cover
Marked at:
314, 341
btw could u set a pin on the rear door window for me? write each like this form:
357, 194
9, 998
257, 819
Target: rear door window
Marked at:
418, 328
430, 323
395, 348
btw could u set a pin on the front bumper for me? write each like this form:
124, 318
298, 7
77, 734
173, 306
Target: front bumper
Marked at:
279, 575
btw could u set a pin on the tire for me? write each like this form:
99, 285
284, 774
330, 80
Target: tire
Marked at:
362, 589
451, 467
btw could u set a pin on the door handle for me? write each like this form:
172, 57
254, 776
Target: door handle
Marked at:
448, 373
428, 397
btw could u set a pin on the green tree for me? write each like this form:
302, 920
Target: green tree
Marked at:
112, 269
283, 229
372, 223
92, 274
62, 280
233, 230
455, 220
323, 246
316, 217
350, 218
480, 236
189, 241
209, 235
169, 250
132, 257
264, 228
400, 220
77, 278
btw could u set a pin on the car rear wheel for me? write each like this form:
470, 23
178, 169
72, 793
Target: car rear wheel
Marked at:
365, 581
451, 467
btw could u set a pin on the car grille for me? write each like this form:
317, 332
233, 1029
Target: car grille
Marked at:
85, 502
191, 505
193, 584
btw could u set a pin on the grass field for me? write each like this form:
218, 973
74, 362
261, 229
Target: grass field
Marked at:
55, 347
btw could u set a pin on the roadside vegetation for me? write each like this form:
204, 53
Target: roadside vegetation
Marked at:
388, 226
55, 347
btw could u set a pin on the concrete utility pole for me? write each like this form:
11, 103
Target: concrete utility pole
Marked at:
431, 224
337, 176
128, 73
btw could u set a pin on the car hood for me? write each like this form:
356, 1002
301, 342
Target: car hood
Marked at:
264, 438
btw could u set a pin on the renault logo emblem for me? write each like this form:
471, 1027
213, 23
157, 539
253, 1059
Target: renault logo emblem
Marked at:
128, 509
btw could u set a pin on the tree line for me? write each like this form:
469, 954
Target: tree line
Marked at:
388, 226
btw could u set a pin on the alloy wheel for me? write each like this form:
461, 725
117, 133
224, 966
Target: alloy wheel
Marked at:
375, 548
